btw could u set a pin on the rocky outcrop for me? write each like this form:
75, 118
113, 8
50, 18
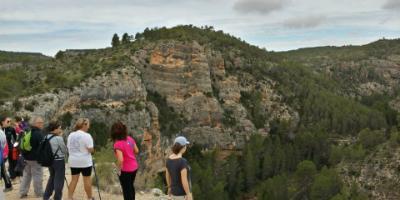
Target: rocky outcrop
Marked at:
192, 79
377, 174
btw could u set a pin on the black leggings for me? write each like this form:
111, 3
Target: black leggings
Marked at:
5, 176
127, 179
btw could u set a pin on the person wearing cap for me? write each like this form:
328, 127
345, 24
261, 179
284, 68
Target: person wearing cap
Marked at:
178, 172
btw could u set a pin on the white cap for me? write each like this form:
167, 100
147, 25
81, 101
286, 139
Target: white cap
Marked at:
181, 140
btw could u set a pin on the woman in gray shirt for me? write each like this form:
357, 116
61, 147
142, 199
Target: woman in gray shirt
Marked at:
57, 169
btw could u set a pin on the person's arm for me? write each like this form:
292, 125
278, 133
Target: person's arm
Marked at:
90, 150
89, 144
61, 143
120, 158
168, 179
135, 149
185, 183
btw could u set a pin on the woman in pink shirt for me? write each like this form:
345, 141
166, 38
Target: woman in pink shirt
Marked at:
125, 151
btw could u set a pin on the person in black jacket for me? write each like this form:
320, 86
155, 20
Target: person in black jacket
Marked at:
33, 170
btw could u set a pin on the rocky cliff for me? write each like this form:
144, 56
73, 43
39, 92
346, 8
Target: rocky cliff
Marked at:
192, 81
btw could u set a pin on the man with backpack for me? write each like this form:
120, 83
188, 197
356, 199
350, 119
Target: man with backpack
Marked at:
33, 170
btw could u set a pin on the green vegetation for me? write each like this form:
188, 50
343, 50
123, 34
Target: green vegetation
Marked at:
274, 167
171, 123
115, 41
203, 35
252, 102
100, 133
66, 119
68, 70
22, 57
228, 118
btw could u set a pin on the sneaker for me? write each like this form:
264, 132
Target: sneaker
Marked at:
7, 189
23, 196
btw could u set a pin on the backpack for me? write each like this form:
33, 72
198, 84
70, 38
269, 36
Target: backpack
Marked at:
25, 144
45, 152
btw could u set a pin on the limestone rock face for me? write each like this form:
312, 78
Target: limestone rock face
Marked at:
118, 85
194, 82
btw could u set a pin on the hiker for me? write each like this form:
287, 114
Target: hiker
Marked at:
11, 139
14, 150
80, 146
178, 172
33, 170
3, 142
57, 168
4, 121
125, 150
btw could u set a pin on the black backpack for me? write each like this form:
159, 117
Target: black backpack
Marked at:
45, 152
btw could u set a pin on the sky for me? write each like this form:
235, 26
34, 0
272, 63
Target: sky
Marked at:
48, 26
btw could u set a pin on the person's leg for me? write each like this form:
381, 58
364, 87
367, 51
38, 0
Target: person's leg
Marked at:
73, 183
87, 183
6, 178
50, 184
37, 176
1, 191
26, 179
11, 166
124, 179
59, 166
133, 183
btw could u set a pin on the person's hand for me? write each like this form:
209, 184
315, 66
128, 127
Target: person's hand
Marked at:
116, 169
189, 197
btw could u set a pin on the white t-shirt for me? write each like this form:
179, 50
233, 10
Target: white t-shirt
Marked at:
79, 156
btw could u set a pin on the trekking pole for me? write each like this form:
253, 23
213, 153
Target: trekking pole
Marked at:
97, 180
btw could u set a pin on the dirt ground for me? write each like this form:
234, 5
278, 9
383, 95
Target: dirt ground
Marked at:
79, 192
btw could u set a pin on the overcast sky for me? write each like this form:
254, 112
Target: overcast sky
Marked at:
50, 25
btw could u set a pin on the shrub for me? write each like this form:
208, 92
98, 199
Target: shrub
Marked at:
370, 139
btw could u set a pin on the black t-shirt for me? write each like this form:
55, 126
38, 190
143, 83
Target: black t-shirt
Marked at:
174, 167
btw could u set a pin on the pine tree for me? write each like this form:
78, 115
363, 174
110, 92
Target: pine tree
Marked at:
126, 39
267, 166
250, 170
115, 40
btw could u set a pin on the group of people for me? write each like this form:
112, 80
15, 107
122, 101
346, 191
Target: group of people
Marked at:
20, 144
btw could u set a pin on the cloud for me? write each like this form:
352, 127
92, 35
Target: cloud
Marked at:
304, 22
392, 5
258, 6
